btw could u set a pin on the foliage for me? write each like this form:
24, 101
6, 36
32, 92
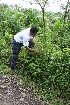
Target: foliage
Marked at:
50, 69
30, 17
5, 49
11, 20
4, 69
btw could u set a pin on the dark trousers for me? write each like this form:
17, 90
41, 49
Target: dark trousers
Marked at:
16, 47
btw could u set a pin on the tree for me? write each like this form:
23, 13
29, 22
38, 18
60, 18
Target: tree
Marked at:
43, 4
66, 11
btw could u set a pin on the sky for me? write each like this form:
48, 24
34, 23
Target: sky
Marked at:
54, 6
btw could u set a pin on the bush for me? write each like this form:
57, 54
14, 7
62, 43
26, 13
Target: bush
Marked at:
5, 49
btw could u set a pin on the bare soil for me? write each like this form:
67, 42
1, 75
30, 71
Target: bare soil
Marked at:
12, 92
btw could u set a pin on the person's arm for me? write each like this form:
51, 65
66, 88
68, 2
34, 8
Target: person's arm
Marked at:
32, 41
32, 50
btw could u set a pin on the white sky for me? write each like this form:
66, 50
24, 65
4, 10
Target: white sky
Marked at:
54, 5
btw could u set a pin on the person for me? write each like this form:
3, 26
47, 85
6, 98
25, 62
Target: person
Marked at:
23, 38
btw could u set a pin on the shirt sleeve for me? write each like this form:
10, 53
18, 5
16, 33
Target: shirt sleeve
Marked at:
25, 42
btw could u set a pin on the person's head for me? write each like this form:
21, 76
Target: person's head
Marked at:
33, 31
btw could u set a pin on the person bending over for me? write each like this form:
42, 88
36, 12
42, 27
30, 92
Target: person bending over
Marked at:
23, 38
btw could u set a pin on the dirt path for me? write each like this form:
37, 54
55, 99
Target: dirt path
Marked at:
13, 93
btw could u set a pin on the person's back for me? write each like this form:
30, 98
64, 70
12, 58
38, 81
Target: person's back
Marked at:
22, 34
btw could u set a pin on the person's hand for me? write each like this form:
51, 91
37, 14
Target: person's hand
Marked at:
37, 51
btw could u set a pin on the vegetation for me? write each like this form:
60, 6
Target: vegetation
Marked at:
50, 70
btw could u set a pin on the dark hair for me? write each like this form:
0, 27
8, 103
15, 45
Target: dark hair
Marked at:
34, 30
